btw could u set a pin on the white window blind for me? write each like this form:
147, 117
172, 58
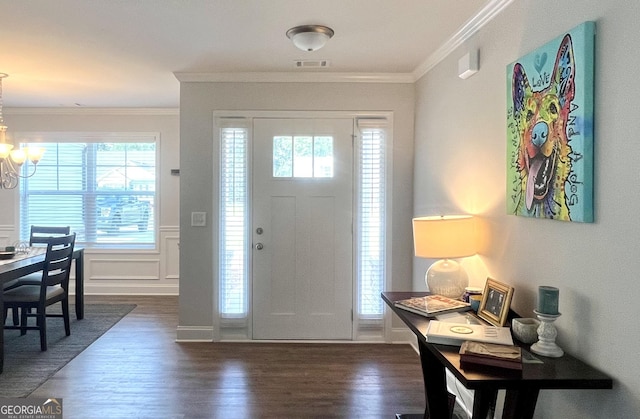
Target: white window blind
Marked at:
233, 218
102, 186
371, 232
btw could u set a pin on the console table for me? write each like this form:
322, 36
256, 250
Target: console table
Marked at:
522, 389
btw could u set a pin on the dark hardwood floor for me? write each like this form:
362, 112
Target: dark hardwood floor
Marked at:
137, 370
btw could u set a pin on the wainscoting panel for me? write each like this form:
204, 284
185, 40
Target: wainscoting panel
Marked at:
6, 232
126, 272
123, 269
171, 255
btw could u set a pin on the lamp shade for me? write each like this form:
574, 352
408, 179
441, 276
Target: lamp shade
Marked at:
445, 237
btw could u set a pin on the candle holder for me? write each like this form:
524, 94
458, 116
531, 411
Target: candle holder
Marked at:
547, 333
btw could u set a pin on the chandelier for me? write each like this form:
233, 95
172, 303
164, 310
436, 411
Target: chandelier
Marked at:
11, 160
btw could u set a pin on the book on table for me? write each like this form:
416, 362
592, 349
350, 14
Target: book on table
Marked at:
455, 334
482, 354
432, 305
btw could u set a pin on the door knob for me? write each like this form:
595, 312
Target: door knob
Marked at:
259, 246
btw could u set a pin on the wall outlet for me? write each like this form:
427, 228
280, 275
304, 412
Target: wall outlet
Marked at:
198, 219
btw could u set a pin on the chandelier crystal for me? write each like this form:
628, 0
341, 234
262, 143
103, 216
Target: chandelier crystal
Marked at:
11, 160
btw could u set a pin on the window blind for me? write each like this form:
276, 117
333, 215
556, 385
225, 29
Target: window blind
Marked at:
102, 186
233, 218
371, 249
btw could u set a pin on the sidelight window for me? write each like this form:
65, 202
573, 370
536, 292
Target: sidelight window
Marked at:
372, 198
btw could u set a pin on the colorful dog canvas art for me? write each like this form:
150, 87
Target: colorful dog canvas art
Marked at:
550, 129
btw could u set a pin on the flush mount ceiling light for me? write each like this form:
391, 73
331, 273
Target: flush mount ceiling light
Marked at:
310, 37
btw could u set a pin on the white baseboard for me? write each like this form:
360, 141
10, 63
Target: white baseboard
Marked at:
194, 334
128, 289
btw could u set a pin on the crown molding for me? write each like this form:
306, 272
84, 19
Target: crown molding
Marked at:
306, 77
466, 31
93, 111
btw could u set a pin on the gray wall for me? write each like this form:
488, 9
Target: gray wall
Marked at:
461, 165
199, 168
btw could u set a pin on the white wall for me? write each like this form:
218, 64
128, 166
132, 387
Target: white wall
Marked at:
114, 272
461, 164
199, 179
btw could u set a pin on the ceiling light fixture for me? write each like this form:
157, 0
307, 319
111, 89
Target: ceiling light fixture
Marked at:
310, 37
11, 160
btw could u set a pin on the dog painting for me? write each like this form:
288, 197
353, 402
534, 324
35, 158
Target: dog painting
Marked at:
550, 129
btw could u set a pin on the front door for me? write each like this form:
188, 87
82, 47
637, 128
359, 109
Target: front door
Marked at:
302, 228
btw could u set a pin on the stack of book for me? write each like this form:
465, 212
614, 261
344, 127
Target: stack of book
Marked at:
482, 354
432, 305
445, 333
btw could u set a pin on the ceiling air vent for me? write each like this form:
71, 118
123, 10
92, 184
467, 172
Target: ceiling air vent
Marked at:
311, 63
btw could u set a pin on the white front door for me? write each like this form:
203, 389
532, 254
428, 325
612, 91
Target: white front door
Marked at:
302, 228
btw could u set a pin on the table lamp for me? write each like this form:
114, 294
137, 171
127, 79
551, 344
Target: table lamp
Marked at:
445, 238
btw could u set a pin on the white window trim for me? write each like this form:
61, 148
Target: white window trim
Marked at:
95, 136
365, 327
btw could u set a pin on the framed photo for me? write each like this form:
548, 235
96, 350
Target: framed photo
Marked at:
496, 300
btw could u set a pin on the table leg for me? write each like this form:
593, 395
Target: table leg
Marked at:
2, 335
80, 286
483, 402
435, 384
521, 403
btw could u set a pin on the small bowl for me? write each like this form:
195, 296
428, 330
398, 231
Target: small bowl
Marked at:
525, 329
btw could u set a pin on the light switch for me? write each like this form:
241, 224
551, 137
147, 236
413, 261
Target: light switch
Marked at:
198, 219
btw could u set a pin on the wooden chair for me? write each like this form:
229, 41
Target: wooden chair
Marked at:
38, 235
53, 288
41, 234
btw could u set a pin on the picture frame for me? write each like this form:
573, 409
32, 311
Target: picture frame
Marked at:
552, 178
496, 301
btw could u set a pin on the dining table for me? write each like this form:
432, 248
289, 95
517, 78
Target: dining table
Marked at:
31, 260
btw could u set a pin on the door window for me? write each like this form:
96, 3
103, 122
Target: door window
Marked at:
302, 157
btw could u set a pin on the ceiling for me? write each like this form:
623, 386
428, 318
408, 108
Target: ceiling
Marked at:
124, 53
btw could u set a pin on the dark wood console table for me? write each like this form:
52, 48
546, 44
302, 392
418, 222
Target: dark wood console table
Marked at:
522, 390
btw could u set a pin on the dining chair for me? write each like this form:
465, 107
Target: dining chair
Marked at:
38, 235
53, 288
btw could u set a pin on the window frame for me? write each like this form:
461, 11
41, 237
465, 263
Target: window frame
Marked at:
234, 124
96, 138
383, 124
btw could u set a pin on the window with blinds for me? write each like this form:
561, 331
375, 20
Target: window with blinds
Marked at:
371, 217
104, 187
233, 221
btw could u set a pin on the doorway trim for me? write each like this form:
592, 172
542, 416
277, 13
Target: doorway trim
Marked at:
225, 329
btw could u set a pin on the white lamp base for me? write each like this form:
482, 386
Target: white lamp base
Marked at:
447, 277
